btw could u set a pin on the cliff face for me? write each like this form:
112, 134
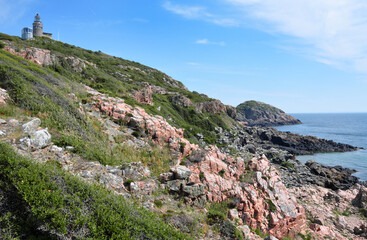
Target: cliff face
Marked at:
253, 113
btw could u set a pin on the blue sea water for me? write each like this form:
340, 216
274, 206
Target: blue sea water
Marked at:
349, 128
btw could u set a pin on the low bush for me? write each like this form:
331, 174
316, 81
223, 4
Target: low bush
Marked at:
42, 196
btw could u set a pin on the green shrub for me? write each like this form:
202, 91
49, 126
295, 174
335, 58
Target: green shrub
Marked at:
45, 195
158, 203
287, 164
221, 172
217, 212
271, 205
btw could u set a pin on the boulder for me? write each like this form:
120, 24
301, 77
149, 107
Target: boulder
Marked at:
40, 139
175, 185
193, 191
181, 172
31, 126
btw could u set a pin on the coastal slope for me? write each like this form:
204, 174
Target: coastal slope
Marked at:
255, 113
99, 147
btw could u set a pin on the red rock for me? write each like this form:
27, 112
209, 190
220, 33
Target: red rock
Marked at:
158, 128
221, 175
144, 96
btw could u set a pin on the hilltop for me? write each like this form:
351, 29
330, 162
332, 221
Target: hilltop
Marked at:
255, 113
99, 147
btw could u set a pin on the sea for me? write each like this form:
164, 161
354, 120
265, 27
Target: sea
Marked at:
349, 128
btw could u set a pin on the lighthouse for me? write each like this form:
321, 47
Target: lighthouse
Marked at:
37, 26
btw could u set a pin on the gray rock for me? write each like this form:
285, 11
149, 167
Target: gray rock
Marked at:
164, 177
40, 139
128, 143
360, 200
2, 133
31, 126
24, 143
135, 171
55, 148
193, 191
181, 172
181, 101
2, 121
175, 185
69, 148
246, 231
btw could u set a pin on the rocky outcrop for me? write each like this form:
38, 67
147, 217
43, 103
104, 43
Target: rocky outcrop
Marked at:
144, 96
36, 55
331, 213
260, 199
253, 113
213, 106
231, 111
181, 100
156, 127
296, 174
44, 57
260, 139
360, 201
78, 64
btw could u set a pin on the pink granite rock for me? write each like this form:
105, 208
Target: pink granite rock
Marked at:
159, 130
264, 201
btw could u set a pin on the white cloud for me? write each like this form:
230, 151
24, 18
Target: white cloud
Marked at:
205, 41
199, 13
332, 31
186, 11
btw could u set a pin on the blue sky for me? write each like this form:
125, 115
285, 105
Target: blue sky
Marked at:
298, 55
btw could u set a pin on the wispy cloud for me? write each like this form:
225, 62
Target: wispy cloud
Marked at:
205, 41
140, 20
331, 31
199, 13
10, 11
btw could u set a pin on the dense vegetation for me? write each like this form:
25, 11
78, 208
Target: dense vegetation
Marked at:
41, 201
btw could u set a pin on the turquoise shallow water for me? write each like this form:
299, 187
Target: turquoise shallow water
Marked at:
350, 128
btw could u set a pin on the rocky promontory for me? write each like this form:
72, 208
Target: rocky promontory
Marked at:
254, 113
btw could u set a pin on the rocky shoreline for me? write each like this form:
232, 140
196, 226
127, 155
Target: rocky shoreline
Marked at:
281, 149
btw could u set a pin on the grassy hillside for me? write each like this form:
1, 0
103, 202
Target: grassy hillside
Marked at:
41, 201
112, 75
